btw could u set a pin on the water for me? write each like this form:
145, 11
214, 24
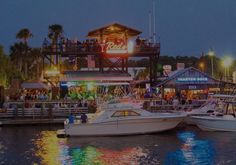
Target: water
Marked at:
188, 145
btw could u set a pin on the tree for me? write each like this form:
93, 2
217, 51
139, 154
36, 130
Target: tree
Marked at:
17, 55
35, 63
4, 69
24, 34
54, 32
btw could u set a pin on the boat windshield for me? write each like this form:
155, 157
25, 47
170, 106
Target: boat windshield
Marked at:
125, 113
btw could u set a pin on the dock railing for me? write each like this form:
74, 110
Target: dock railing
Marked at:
158, 105
62, 109
42, 109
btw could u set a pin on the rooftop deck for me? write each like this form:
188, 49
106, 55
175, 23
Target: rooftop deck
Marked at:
82, 49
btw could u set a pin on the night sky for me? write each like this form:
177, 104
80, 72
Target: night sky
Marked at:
185, 27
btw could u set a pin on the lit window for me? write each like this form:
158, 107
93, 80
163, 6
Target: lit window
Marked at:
125, 113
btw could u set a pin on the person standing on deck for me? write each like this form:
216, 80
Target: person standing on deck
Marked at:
71, 119
84, 118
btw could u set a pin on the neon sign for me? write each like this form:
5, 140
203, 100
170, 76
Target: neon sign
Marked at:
192, 79
118, 48
113, 48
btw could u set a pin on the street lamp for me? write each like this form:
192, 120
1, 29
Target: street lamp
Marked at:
202, 66
227, 62
212, 54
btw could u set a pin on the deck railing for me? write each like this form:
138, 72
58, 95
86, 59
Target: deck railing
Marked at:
62, 109
92, 48
37, 109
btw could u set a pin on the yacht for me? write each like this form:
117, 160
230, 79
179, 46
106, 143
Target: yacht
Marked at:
209, 108
224, 122
122, 119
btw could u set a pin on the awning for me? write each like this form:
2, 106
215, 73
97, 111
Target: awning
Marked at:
34, 85
94, 76
96, 79
112, 83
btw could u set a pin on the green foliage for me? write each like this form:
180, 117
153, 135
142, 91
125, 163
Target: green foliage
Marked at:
4, 69
54, 32
24, 34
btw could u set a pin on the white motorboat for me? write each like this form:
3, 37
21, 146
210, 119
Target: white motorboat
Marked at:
123, 119
216, 123
225, 122
209, 108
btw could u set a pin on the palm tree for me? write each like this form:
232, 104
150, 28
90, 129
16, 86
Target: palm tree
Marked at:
36, 63
54, 32
3, 69
24, 34
16, 55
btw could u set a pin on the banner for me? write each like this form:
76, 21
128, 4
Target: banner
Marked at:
91, 61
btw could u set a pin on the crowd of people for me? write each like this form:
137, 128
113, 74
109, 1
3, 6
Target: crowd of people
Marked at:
89, 45
33, 95
170, 98
76, 98
34, 98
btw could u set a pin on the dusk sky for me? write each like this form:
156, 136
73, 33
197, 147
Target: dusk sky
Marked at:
185, 27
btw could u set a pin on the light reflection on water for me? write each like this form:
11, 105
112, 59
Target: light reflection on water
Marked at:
193, 151
39, 145
50, 148
1, 152
53, 151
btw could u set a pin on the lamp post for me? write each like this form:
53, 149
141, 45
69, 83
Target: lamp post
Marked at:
202, 66
227, 62
212, 54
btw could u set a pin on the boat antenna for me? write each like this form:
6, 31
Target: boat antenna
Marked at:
150, 25
154, 21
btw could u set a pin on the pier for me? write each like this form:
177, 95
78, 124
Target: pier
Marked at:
39, 112
55, 112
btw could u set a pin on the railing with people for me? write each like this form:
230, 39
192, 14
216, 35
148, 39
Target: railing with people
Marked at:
42, 109
92, 47
158, 105
59, 109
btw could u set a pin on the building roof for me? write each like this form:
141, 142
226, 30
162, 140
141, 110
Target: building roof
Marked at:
114, 28
94, 76
187, 74
34, 85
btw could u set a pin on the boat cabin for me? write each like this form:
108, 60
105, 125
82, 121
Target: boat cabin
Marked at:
125, 113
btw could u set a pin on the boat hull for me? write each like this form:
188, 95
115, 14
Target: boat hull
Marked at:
123, 127
215, 124
189, 120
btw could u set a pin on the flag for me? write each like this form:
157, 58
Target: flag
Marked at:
91, 61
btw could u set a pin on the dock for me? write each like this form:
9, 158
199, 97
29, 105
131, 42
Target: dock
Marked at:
31, 121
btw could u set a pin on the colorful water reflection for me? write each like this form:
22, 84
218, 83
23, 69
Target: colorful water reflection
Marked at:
52, 151
193, 151
2, 150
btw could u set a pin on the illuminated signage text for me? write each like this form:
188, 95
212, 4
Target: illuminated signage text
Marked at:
192, 79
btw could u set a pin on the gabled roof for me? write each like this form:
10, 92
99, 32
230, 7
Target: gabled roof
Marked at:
34, 85
114, 28
178, 73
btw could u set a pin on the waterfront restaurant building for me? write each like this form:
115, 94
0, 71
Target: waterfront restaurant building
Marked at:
189, 81
107, 52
